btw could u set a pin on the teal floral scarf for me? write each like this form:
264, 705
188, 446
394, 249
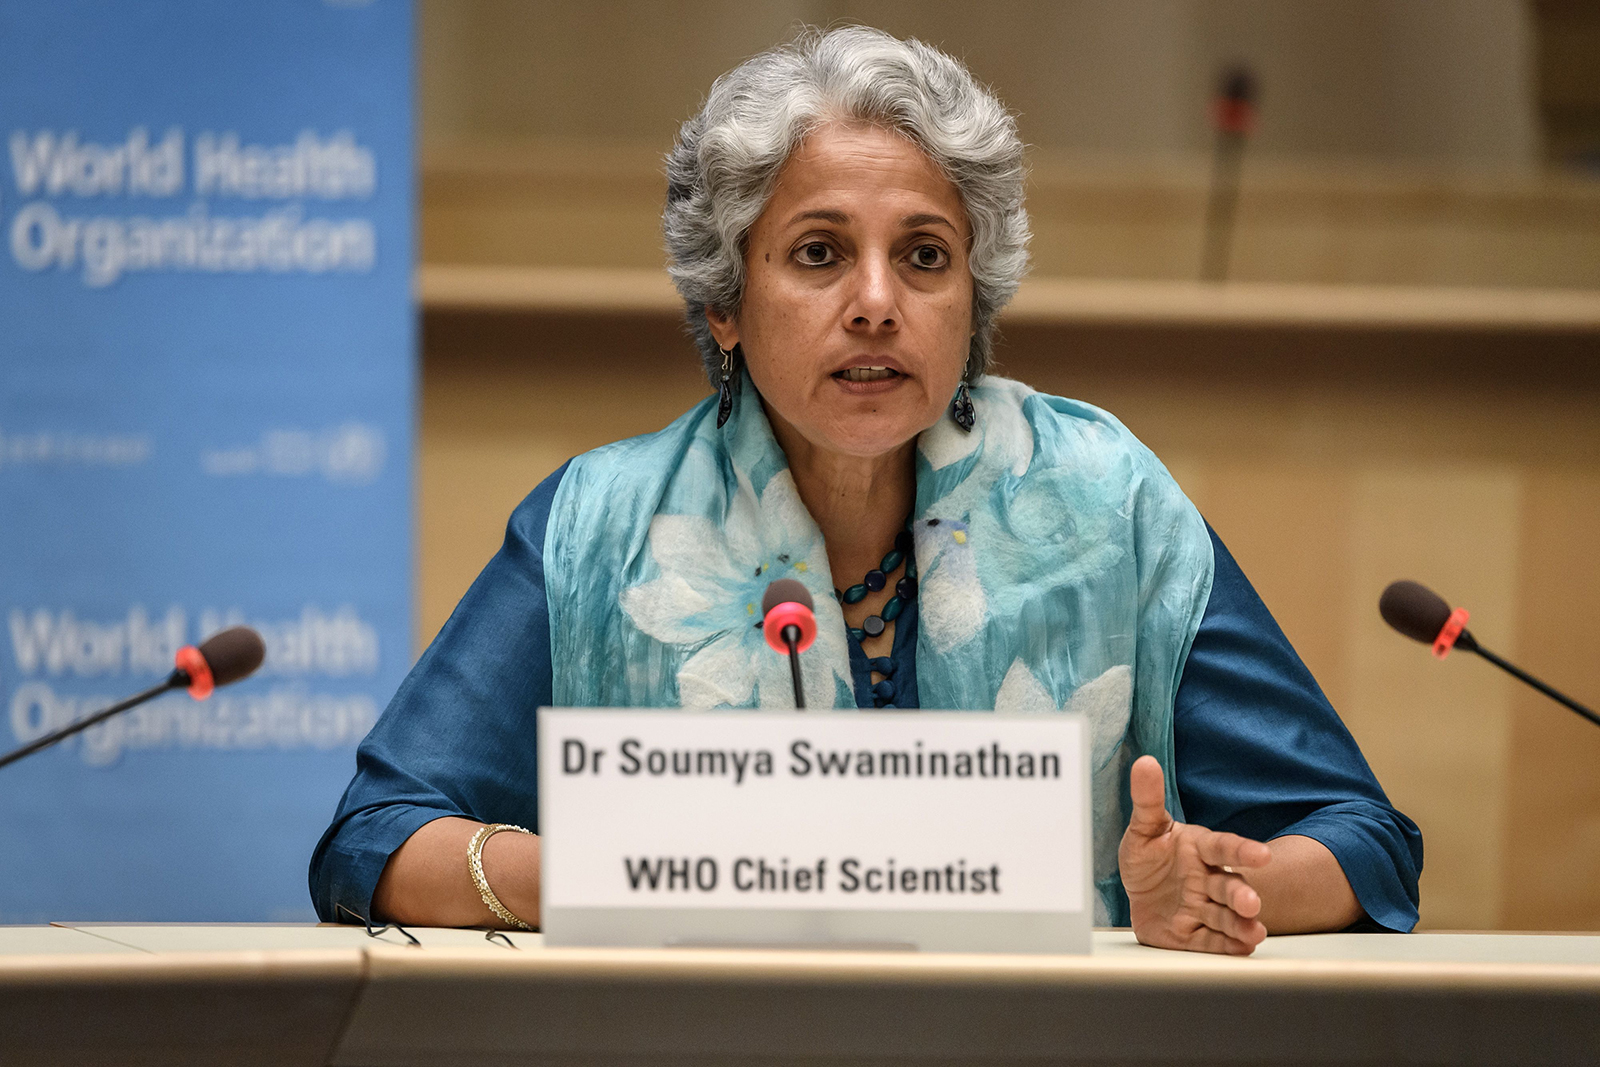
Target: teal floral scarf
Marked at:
1061, 569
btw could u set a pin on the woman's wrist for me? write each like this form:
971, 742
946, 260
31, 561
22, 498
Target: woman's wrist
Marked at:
426, 881
511, 868
480, 880
1304, 890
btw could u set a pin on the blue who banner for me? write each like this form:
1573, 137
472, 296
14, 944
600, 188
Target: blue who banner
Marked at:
206, 394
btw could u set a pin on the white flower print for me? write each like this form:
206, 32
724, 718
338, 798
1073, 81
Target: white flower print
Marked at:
1107, 703
1002, 429
707, 599
954, 603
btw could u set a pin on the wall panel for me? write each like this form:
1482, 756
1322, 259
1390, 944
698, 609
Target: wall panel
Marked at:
1552, 847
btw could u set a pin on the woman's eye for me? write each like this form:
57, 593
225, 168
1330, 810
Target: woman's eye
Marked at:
815, 253
929, 256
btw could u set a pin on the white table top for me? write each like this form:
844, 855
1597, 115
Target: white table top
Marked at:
1492, 949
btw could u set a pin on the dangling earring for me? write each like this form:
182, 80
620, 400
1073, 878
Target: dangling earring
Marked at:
961, 409
724, 390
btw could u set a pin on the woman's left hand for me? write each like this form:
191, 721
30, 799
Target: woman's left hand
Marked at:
1183, 891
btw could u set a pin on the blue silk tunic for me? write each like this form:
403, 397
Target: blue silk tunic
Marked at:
1259, 750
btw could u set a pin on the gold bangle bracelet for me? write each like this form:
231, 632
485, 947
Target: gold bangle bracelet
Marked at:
475, 868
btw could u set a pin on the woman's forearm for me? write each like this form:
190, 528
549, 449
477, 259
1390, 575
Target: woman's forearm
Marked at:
1303, 890
426, 882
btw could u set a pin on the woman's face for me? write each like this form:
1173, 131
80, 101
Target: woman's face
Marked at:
857, 311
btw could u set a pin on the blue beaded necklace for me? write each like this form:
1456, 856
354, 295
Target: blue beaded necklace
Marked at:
905, 590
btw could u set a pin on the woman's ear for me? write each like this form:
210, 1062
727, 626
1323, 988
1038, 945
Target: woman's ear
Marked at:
724, 328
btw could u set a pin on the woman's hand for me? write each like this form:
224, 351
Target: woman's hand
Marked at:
1182, 889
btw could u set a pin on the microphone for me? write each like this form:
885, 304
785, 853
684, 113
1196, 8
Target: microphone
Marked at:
222, 659
1423, 615
789, 625
1233, 109
1233, 115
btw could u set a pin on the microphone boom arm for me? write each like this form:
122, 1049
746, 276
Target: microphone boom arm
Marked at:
1522, 675
178, 679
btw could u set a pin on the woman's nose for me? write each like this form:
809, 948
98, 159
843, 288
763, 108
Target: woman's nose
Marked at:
874, 301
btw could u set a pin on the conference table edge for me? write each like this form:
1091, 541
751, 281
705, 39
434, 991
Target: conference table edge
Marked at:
1175, 970
674, 1005
376, 982
377, 963
143, 966
286, 1008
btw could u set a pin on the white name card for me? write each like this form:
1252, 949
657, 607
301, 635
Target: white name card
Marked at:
943, 831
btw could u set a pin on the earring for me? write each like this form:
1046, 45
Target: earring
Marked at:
724, 390
961, 409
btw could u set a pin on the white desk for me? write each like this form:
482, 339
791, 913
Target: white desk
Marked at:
114, 994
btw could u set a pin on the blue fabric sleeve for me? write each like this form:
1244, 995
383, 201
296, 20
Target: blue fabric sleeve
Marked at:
1261, 753
458, 737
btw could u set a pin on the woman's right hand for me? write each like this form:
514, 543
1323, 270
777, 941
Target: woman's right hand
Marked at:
1184, 891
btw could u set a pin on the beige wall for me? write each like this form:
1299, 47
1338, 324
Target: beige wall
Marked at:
1443, 82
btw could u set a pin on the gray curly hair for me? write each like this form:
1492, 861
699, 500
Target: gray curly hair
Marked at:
721, 171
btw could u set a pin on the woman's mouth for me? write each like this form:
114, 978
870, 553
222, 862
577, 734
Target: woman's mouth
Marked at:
869, 379
866, 374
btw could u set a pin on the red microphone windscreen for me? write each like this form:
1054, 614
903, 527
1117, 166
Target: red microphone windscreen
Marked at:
1233, 110
1414, 610
233, 654
787, 603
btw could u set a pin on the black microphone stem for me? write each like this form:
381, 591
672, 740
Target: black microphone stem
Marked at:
176, 680
791, 637
1517, 672
1221, 207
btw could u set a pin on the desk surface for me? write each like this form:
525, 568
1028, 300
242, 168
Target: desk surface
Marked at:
240, 994
1484, 949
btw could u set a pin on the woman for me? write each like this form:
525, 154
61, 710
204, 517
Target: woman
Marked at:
844, 221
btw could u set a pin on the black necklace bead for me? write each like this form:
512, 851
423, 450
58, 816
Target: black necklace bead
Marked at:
878, 578
905, 589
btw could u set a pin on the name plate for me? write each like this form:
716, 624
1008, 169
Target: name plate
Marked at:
942, 831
